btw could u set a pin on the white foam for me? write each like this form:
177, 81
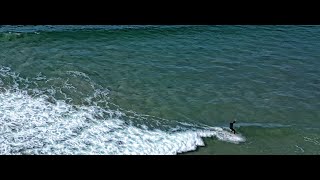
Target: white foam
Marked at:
40, 77
31, 125
77, 73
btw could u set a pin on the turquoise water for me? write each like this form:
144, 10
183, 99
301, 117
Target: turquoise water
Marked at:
159, 89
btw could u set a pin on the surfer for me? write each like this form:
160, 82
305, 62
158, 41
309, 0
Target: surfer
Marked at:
231, 126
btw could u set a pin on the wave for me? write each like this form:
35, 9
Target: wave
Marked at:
60, 28
36, 122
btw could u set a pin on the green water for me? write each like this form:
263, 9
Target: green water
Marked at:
267, 77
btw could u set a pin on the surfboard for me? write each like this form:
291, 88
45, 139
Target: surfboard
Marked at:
230, 136
229, 130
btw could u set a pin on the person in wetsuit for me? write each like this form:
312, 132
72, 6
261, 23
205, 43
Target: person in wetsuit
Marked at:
231, 126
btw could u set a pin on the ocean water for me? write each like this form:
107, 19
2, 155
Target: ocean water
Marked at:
159, 89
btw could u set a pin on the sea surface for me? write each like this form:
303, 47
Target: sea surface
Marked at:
159, 89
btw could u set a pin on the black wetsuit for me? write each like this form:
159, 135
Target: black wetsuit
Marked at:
231, 127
